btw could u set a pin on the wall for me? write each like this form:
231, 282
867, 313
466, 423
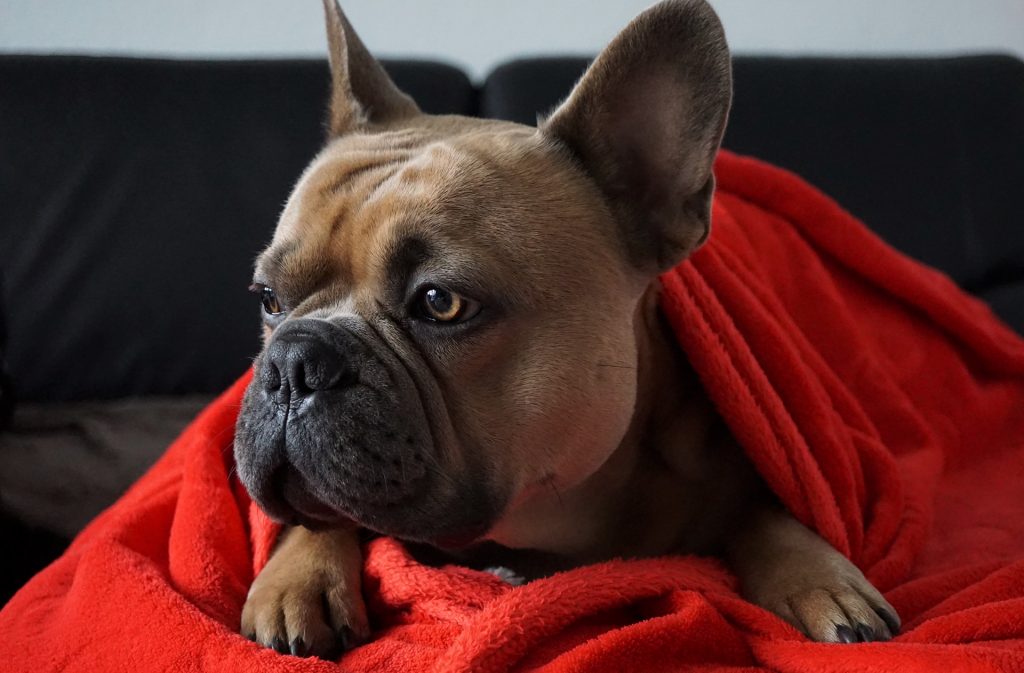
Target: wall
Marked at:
476, 34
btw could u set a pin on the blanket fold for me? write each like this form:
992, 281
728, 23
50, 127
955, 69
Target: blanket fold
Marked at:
884, 406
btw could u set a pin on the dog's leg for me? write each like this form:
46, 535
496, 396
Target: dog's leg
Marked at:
308, 601
788, 569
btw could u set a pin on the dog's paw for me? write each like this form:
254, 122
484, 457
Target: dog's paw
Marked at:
833, 603
311, 616
785, 567
307, 601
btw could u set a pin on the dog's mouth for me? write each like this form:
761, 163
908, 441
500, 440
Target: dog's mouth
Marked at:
358, 448
321, 483
289, 499
450, 519
297, 505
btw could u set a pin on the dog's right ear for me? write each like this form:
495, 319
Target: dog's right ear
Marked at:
645, 122
361, 92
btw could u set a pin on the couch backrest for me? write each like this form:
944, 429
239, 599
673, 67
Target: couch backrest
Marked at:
134, 194
929, 152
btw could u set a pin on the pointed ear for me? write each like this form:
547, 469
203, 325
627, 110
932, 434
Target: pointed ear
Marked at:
646, 120
361, 92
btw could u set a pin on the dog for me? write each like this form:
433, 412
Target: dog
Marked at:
463, 348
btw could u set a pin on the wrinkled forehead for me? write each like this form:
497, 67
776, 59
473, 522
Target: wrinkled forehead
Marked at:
372, 206
364, 177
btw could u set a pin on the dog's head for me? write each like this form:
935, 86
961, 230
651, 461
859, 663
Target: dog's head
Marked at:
449, 302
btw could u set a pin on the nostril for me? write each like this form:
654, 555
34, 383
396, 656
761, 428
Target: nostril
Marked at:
330, 370
270, 376
313, 376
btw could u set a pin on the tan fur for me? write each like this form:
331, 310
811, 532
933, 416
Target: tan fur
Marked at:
311, 590
575, 398
372, 189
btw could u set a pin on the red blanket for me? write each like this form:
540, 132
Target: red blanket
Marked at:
882, 404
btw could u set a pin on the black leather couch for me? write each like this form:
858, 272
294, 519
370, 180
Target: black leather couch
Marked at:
135, 194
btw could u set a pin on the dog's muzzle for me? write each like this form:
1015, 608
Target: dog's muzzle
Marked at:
328, 429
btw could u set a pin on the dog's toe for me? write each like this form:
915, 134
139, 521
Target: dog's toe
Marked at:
841, 614
299, 648
844, 634
306, 620
892, 621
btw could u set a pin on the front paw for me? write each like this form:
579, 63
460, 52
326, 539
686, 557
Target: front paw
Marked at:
837, 610
828, 599
308, 616
791, 571
307, 601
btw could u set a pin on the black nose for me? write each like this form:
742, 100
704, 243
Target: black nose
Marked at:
302, 359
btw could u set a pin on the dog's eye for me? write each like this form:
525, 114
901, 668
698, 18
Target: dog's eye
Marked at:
271, 304
440, 305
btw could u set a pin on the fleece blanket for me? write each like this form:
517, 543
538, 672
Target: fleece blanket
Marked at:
883, 405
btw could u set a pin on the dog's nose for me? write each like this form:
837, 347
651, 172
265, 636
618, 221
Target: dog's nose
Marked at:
302, 359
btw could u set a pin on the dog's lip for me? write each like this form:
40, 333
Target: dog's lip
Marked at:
456, 541
318, 524
301, 507
315, 516
450, 539
313, 510
461, 539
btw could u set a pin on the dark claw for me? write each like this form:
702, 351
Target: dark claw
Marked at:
890, 620
845, 634
866, 633
279, 645
346, 639
299, 648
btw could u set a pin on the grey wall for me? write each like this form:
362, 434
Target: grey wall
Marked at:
476, 34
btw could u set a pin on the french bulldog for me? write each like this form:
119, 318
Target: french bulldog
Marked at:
464, 349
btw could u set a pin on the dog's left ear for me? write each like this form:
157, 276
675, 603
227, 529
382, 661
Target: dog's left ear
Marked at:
646, 121
361, 92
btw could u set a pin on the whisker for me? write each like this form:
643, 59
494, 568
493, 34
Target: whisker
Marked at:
435, 468
384, 480
616, 366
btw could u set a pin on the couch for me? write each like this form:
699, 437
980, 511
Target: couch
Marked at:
137, 192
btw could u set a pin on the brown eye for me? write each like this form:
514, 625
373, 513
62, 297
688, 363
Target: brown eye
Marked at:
271, 304
441, 305
438, 305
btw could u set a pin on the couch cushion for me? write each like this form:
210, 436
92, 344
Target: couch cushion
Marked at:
928, 152
136, 194
62, 463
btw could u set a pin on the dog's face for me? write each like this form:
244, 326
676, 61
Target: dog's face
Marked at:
438, 271
449, 301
